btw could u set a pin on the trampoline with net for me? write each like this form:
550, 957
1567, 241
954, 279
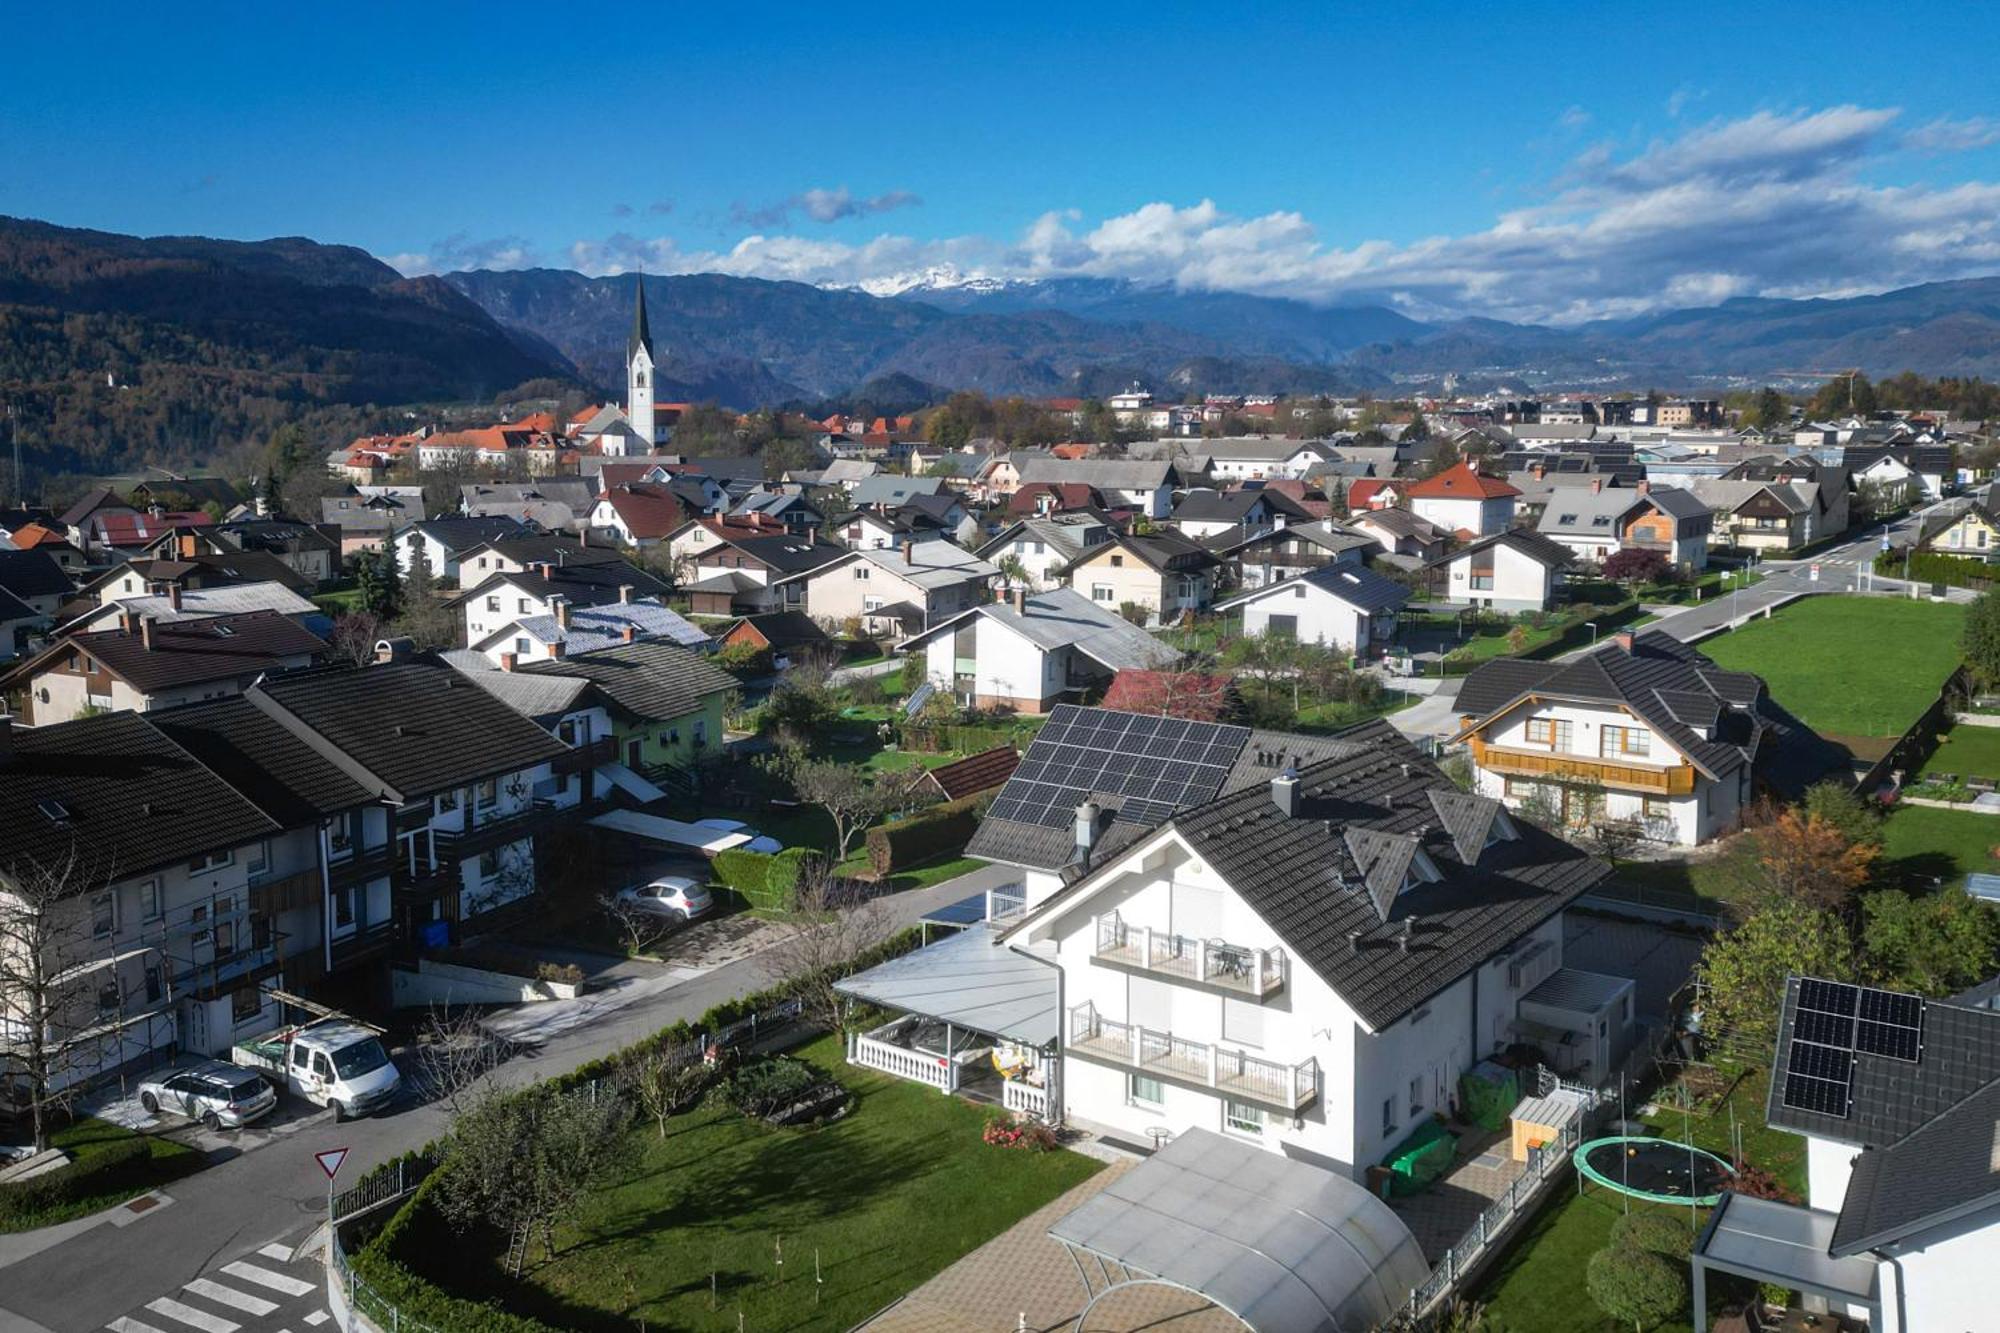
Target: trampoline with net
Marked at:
1656, 1169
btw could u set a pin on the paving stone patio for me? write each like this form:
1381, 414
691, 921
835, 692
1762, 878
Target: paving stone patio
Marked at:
1441, 1215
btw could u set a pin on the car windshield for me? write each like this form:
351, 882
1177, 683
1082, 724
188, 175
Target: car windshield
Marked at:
363, 1057
241, 1089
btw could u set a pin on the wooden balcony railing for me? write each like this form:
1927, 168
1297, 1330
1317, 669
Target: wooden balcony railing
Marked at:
1256, 973
1677, 780
1201, 1064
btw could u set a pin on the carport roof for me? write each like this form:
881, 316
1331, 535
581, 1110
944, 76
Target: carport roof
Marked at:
1784, 1244
1285, 1246
970, 980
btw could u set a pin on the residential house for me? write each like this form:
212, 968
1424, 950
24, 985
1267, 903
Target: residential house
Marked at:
971, 776
1039, 547
1406, 540
739, 571
782, 635
1047, 498
1298, 943
902, 591
438, 542
142, 665
1897, 1098
1376, 493
1463, 500
1348, 608
98, 503
1597, 522
367, 521
553, 504
313, 554
1161, 574
1970, 530
1145, 487
146, 575
565, 629
1283, 553
528, 549
38, 536
110, 532
788, 508
640, 514
1029, 652
1510, 571
174, 606
1237, 515
1645, 731
1926, 467
878, 530
1769, 515
35, 580
1258, 458
886, 491
509, 595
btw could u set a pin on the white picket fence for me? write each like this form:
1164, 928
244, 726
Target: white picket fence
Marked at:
934, 1071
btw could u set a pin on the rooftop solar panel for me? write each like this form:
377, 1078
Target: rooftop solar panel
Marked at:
1157, 763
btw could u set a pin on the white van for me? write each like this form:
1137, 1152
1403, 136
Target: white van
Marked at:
335, 1062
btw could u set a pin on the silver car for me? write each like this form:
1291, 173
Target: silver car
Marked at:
219, 1095
672, 897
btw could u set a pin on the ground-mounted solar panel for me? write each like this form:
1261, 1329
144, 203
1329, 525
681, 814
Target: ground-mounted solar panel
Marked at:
1803, 1092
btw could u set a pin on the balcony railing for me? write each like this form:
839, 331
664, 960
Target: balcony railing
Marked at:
1234, 1073
492, 831
583, 758
1233, 967
369, 941
360, 867
1005, 905
1677, 780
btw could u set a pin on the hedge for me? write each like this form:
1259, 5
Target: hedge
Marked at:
923, 837
1954, 571
763, 879
105, 1170
416, 1223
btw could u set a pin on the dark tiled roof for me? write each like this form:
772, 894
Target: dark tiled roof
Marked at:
1361, 588
262, 761
189, 652
976, 773
556, 549
1233, 506
591, 584
273, 534
116, 794
1940, 1172
405, 729
787, 554
783, 629
462, 534
648, 679
1531, 544
33, 574
1895, 1098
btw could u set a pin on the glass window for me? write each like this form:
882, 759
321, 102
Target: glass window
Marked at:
213, 861
1615, 740
343, 907
1143, 1091
260, 858
1416, 1095
104, 914
447, 801
1388, 1115
1118, 562
155, 985
492, 603
489, 792
489, 863
107, 999
246, 1004
1241, 1119
150, 905
340, 835
1101, 592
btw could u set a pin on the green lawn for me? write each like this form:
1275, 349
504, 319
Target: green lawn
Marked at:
882, 1199
1922, 845
90, 1138
1849, 666
1970, 752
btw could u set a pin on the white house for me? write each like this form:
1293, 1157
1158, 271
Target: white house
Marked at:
1644, 731
1509, 571
1258, 458
1239, 952
1294, 549
905, 590
1898, 1099
1026, 652
1042, 546
1461, 499
1202, 514
1349, 608
1144, 486
440, 541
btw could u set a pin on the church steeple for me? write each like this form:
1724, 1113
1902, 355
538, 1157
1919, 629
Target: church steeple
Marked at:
642, 335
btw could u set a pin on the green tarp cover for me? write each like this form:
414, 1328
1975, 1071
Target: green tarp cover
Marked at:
1421, 1158
1486, 1093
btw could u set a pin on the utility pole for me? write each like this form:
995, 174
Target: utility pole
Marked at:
14, 430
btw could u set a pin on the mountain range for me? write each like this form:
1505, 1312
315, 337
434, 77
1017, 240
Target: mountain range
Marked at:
124, 349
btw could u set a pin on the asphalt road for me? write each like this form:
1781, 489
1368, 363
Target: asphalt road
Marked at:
137, 1270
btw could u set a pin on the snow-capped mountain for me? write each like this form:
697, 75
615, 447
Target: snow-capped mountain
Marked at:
936, 278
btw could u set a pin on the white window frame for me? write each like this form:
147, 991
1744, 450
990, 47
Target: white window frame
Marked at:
104, 914
152, 900
1134, 1097
1242, 1118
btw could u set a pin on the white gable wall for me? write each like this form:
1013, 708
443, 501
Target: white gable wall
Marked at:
1518, 582
1321, 617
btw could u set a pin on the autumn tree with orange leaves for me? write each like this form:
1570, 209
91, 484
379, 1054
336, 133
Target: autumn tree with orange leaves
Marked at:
1803, 858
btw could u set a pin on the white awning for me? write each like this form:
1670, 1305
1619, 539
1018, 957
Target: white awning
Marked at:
1785, 1245
971, 980
673, 832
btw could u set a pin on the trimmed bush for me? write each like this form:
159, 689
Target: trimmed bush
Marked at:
1954, 571
924, 837
1654, 1233
768, 1086
762, 879
1634, 1287
105, 1170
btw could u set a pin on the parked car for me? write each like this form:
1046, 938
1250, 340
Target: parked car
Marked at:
221, 1096
758, 842
334, 1062
673, 896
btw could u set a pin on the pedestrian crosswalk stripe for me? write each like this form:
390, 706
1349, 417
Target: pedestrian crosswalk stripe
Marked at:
230, 1296
277, 1250
129, 1325
316, 1318
192, 1317
264, 1277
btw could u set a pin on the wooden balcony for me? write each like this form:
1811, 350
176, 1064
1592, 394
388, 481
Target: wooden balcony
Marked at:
1217, 965
583, 758
1677, 780
1196, 1064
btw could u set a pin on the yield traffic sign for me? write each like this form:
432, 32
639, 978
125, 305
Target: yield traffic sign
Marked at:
330, 1160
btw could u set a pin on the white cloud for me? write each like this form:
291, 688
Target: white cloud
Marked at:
1776, 203
1573, 119
461, 251
822, 205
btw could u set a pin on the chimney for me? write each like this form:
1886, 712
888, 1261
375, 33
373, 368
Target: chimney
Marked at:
1538, 471
1086, 829
174, 596
559, 605
1285, 792
1643, 486
507, 661
624, 594
1596, 485
398, 649
1018, 595
1354, 941
128, 620
909, 551
146, 633
1403, 935
1623, 638
630, 633
556, 650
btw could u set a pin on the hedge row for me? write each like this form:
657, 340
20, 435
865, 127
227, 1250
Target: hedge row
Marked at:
1954, 571
416, 1227
923, 837
762, 879
116, 1165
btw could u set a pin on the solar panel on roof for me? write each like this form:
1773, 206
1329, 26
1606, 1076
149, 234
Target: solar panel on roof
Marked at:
1834, 1063
1828, 997
1803, 1092
1891, 1024
1826, 1029
1157, 763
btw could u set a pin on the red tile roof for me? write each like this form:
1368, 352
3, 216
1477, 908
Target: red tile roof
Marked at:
1362, 492
30, 535
648, 512
976, 773
1461, 483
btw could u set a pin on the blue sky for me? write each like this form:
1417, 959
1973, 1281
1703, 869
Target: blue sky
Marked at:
1528, 161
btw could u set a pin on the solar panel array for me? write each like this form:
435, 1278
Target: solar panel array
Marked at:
1156, 765
1830, 1023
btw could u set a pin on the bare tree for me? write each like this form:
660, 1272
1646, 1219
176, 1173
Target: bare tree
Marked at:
666, 1084
852, 796
640, 930
62, 1009
454, 1052
820, 938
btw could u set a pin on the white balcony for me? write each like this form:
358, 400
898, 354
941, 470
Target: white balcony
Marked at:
1236, 968
1233, 1073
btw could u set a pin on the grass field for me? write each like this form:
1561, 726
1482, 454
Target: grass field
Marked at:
1969, 752
1922, 845
880, 1201
1849, 666
87, 1139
